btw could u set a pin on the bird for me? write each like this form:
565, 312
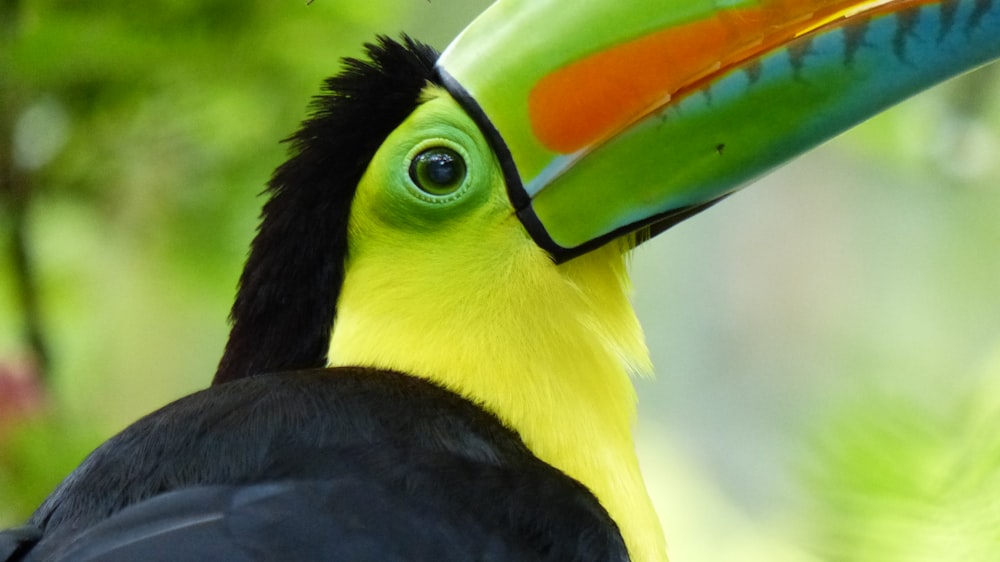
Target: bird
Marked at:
432, 339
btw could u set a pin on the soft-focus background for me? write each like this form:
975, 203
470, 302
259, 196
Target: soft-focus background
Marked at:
827, 343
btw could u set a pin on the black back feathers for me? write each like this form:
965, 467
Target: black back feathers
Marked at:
287, 298
339, 464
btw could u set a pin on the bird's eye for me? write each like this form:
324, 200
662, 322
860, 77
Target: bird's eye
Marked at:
438, 171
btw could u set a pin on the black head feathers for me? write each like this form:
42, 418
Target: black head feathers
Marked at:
287, 298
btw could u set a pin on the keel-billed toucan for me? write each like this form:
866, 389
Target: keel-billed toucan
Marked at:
432, 338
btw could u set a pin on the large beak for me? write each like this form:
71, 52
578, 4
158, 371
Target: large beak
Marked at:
614, 115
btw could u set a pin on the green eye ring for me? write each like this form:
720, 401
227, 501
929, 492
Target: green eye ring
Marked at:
438, 171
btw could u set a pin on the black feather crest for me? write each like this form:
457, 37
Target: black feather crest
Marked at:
286, 302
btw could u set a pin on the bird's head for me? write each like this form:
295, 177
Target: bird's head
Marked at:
465, 218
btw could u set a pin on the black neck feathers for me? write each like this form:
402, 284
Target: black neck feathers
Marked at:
287, 298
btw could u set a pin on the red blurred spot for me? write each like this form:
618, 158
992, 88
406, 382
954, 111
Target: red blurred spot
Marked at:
22, 394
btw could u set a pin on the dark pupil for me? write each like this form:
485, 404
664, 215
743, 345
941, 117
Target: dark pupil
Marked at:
438, 171
440, 168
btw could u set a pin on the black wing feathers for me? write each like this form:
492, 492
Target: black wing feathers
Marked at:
16, 541
386, 464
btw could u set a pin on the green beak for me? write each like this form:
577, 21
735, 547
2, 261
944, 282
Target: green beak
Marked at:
614, 115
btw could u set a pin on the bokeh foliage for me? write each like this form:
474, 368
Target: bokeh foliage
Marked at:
827, 328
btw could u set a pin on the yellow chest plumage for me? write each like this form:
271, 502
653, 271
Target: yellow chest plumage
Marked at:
545, 351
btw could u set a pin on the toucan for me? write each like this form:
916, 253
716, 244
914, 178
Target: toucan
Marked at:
432, 339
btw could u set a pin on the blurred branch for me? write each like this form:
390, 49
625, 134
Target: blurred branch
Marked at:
15, 199
10, 11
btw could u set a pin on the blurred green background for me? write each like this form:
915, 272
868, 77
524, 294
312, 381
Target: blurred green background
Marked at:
827, 343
